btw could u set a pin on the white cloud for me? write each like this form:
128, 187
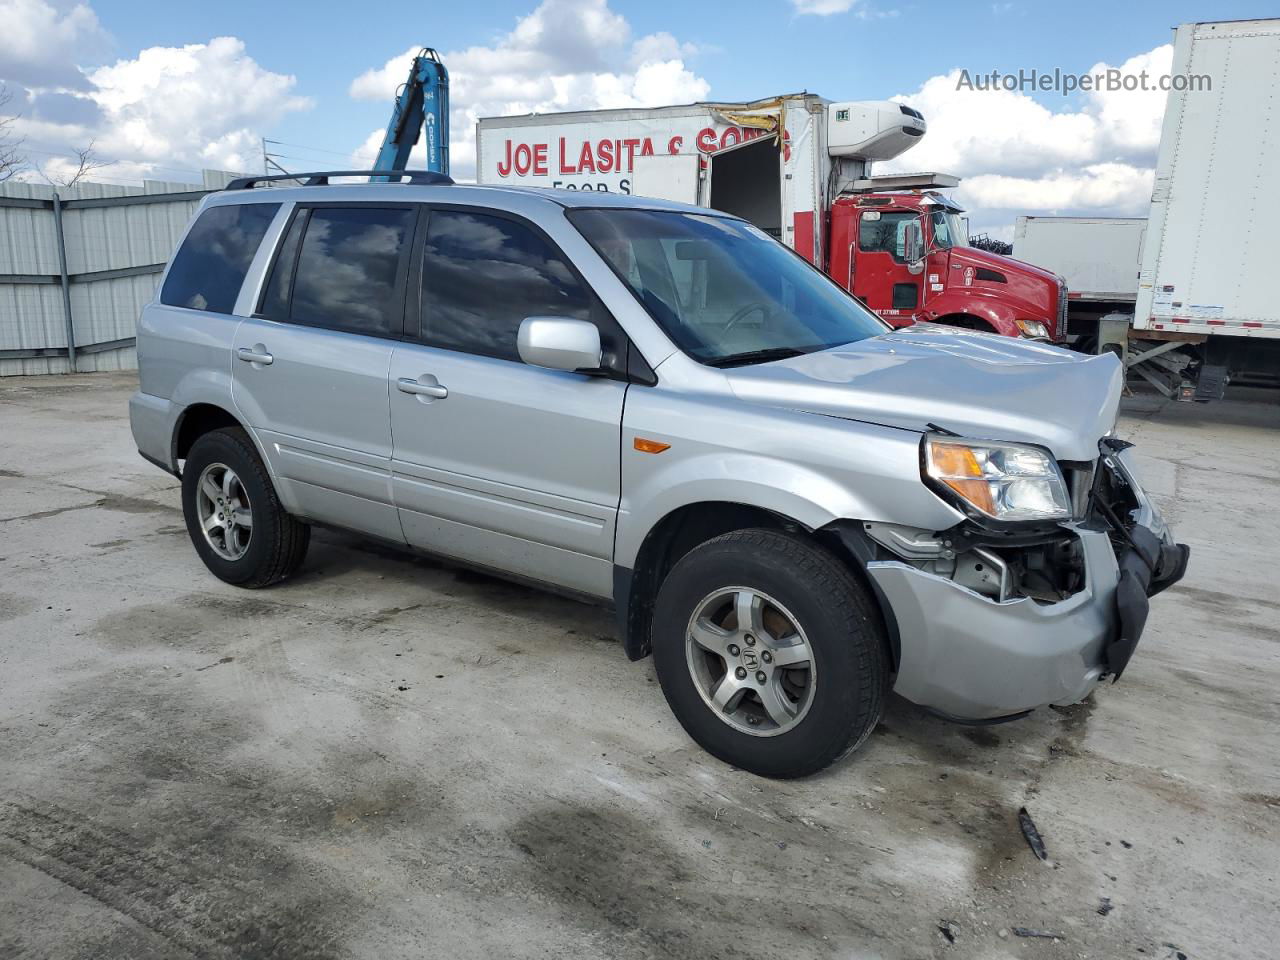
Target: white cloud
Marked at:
1118, 189
164, 114
828, 8
40, 45
1094, 156
205, 104
822, 8
565, 55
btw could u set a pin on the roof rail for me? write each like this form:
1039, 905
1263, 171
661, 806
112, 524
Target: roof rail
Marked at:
321, 178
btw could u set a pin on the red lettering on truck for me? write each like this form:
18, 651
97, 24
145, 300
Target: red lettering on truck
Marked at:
564, 166
523, 158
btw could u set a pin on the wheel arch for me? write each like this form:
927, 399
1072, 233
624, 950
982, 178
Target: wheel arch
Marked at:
974, 313
686, 527
201, 417
196, 420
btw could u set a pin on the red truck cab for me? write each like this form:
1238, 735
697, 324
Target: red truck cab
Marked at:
952, 283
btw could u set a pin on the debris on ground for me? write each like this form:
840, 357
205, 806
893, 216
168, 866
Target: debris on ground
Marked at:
1104, 906
1034, 840
1039, 934
1126, 844
949, 930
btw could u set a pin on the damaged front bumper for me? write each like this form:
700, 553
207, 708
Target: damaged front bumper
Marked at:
974, 657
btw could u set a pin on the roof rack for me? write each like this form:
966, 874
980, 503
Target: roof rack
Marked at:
321, 178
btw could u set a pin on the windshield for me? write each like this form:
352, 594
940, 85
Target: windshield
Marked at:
723, 291
949, 230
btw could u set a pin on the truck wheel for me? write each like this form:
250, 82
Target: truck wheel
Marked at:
233, 516
770, 652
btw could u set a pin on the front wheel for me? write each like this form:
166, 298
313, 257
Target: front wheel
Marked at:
234, 518
770, 652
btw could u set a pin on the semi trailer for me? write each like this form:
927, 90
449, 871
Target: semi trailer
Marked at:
1201, 310
1098, 257
800, 168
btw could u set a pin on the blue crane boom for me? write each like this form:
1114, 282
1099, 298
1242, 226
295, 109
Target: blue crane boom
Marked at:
422, 101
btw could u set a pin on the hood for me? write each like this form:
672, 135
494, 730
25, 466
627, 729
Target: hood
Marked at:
976, 384
994, 261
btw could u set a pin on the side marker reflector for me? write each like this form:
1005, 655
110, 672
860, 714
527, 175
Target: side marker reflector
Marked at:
650, 446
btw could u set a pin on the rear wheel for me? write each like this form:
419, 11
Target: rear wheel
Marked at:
234, 518
770, 653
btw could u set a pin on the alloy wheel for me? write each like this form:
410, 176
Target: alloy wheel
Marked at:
751, 661
222, 507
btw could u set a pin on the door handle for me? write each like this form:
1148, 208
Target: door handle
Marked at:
255, 354
434, 390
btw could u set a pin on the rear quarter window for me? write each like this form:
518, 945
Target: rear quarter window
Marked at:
211, 264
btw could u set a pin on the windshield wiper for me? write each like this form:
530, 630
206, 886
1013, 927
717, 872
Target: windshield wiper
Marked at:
756, 356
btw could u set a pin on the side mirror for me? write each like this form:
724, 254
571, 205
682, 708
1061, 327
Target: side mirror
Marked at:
559, 343
912, 242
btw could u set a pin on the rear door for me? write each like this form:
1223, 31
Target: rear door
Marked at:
310, 368
500, 463
746, 180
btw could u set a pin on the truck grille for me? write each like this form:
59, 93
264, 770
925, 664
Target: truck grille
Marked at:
1061, 332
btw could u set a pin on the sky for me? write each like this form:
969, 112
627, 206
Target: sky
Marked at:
165, 89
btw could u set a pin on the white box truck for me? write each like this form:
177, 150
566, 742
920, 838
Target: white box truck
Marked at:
799, 167
1099, 257
664, 152
1204, 309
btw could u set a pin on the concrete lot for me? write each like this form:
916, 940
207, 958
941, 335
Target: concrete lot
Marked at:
388, 757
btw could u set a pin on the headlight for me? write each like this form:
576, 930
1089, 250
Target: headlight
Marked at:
1033, 329
1004, 481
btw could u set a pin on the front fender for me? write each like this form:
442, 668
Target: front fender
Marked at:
999, 312
807, 467
800, 495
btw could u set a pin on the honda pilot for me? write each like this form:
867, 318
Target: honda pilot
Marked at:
792, 507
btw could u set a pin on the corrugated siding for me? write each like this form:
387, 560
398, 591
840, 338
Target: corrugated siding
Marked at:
97, 238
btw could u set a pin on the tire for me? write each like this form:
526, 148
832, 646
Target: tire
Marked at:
271, 545
832, 616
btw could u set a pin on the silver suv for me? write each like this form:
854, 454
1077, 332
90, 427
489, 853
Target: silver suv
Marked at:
794, 508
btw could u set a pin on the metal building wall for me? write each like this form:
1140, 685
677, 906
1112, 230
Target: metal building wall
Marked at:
133, 238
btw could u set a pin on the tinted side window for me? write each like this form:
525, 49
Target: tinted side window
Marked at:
208, 270
275, 301
349, 274
482, 275
885, 234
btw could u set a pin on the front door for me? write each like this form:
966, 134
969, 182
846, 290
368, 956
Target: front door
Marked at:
310, 369
497, 462
882, 278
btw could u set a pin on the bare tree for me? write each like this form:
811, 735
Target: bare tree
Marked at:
86, 162
11, 157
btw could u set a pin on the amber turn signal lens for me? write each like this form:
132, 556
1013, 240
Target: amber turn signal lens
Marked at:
957, 466
954, 460
977, 492
650, 446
